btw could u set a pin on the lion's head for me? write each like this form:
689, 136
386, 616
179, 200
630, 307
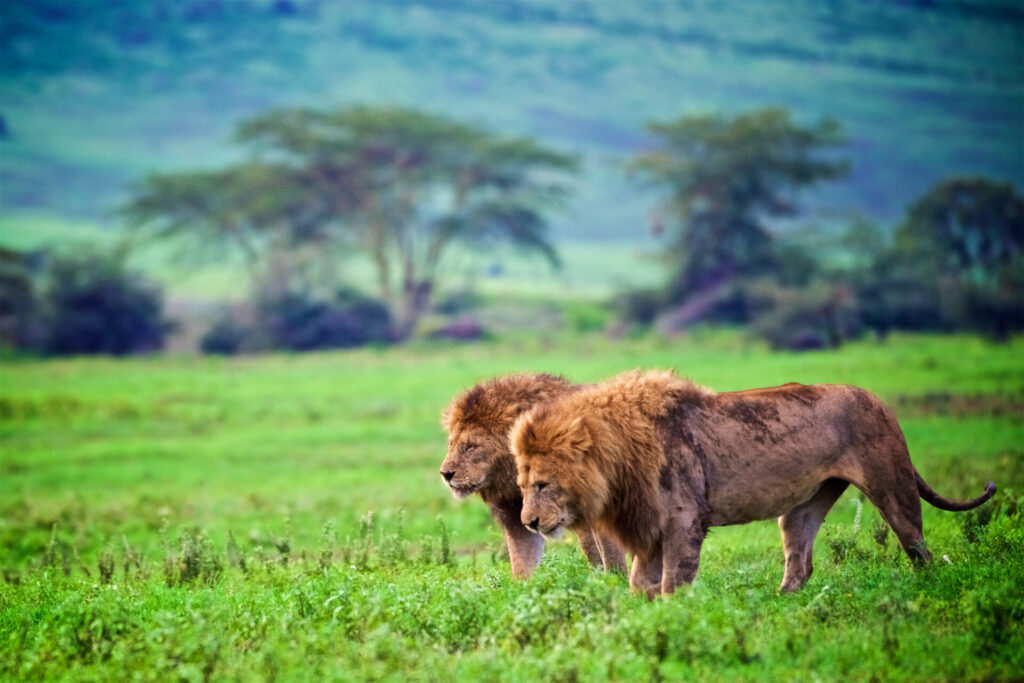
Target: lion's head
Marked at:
477, 422
560, 486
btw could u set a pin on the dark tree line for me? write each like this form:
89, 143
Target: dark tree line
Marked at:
84, 304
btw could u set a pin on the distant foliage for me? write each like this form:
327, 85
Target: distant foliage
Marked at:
968, 235
722, 179
399, 185
814, 318
638, 306
298, 322
226, 337
292, 321
19, 324
93, 305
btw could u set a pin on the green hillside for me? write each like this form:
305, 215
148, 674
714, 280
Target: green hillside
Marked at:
96, 93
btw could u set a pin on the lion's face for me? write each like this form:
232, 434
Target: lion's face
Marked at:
551, 469
470, 461
547, 504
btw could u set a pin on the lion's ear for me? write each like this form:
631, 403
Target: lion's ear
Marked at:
579, 435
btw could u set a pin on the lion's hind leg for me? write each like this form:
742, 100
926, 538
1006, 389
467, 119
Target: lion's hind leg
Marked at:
799, 528
891, 486
901, 509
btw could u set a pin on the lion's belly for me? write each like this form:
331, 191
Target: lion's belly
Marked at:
751, 482
752, 503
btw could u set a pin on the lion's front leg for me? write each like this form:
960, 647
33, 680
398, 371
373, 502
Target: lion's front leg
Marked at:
590, 544
612, 553
645, 576
681, 548
524, 550
524, 546
602, 552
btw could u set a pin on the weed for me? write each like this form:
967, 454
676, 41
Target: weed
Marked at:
105, 565
326, 556
235, 556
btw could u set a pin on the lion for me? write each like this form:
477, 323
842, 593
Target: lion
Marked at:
653, 461
479, 461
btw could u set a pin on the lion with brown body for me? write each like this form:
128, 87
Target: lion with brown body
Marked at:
654, 461
479, 461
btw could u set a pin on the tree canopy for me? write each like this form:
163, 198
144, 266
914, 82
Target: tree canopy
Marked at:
968, 234
398, 184
723, 179
968, 225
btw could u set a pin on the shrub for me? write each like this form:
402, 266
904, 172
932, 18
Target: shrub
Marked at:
94, 306
901, 301
19, 325
639, 306
995, 310
226, 337
816, 318
298, 322
458, 301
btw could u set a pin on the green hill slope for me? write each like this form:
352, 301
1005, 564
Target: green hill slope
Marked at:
96, 93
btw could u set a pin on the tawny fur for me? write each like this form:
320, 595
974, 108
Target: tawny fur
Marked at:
653, 461
479, 461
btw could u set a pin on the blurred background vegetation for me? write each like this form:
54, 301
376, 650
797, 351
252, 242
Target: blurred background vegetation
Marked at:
246, 175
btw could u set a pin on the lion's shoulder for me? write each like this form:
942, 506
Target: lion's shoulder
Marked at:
646, 395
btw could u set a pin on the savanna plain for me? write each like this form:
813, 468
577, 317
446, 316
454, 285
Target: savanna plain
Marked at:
282, 517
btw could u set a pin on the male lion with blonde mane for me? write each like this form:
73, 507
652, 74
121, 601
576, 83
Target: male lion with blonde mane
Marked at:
652, 460
479, 461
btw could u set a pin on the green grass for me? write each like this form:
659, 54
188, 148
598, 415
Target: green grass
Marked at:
197, 518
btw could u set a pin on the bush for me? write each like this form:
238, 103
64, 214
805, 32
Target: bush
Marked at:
996, 310
94, 306
459, 301
19, 324
227, 337
298, 322
815, 318
639, 306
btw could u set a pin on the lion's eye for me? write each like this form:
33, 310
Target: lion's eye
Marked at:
467, 447
539, 486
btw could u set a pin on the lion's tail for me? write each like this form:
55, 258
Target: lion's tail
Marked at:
928, 494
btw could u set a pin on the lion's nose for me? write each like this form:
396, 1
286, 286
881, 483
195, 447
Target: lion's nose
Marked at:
447, 475
535, 524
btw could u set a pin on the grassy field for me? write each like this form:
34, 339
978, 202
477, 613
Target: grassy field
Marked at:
281, 517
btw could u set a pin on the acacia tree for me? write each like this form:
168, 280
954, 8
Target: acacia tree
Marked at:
399, 184
412, 184
723, 179
264, 212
